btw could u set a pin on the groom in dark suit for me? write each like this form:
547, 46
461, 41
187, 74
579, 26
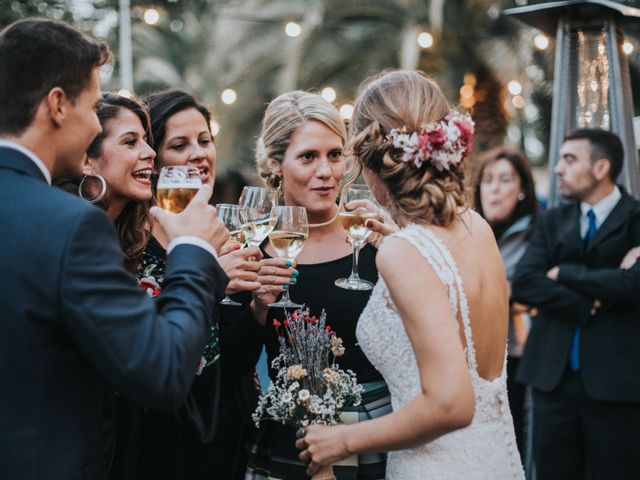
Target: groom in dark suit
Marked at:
74, 326
582, 357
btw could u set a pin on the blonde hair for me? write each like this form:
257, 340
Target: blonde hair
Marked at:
284, 115
404, 99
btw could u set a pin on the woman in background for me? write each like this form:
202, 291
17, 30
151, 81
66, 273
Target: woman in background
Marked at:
504, 194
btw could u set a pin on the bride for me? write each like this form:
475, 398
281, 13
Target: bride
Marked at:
436, 323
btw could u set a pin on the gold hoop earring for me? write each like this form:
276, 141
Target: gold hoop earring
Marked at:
103, 189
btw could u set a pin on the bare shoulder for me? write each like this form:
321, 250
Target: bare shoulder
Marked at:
400, 262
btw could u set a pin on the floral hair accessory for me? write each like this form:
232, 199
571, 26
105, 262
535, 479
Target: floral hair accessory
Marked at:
443, 143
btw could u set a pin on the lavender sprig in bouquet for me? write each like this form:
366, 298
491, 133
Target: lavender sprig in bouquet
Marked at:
309, 388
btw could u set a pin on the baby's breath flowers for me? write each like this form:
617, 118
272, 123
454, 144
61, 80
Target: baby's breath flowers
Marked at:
309, 386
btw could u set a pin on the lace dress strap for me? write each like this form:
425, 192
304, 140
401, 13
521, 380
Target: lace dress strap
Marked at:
434, 250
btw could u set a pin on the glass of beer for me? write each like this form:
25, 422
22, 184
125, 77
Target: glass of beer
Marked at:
229, 214
287, 239
357, 205
177, 185
257, 206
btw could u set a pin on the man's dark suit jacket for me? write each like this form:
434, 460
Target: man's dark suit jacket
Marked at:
610, 339
74, 326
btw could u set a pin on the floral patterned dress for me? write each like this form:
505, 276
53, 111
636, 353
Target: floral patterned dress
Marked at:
150, 276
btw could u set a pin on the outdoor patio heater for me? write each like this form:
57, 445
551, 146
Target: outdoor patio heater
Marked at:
591, 87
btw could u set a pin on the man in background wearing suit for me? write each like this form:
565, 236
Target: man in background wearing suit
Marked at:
73, 323
582, 356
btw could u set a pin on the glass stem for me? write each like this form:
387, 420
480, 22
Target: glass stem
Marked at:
354, 265
285, 297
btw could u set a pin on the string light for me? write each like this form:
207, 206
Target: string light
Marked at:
346, 111
627, 47
425, 40
514, 87
215, 127
151, 16
518, 101
541, 42
229, 96
123, 92
329, 94
293, 29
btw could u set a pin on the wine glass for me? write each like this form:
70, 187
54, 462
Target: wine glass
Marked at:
287, 239
229, 214
257, 214
177, 185
357, 205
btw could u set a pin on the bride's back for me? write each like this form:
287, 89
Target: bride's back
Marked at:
476, 254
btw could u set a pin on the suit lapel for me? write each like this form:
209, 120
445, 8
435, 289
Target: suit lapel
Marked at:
12, 159
569, 231
619, 215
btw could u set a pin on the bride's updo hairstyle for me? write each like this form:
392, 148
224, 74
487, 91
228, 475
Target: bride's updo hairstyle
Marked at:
405, 101
284, 115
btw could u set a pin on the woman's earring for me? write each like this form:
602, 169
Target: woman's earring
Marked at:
521, 196
279, 190
103, 188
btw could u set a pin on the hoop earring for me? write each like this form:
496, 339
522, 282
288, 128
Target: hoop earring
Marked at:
521, 196
103, 190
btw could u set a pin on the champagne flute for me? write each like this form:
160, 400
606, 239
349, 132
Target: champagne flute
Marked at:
257, 214
177, 185
287, 239
357, 205
229, 214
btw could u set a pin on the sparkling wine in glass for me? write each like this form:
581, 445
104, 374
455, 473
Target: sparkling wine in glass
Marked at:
256, 212
287, 239
177, 185
357, 205
230, 216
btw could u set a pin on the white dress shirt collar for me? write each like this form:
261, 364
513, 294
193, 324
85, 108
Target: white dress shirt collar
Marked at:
34, 158
603, 208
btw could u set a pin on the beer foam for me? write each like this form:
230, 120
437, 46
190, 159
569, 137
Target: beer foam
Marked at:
175, 186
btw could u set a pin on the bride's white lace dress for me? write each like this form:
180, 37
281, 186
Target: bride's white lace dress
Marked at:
486, 449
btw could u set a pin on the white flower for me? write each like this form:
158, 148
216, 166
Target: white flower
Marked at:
287, 397
304, 395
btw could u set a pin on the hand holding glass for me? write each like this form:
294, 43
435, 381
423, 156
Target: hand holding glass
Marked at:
357, 205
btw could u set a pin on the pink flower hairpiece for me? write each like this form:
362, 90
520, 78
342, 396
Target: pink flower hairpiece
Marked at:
443, 143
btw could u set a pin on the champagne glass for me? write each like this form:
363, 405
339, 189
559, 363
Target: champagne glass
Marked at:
287, 239
177, 185
357, 205
257, 214
229, 214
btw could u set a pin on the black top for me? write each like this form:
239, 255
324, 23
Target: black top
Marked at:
316, 289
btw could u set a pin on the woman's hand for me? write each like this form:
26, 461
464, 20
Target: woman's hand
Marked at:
241, 266
380, 228
323, 446
275, 275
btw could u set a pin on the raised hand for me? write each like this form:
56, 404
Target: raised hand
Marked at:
275, 276
199, 220
242, 267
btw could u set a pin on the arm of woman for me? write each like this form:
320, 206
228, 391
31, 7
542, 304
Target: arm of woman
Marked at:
446, 400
